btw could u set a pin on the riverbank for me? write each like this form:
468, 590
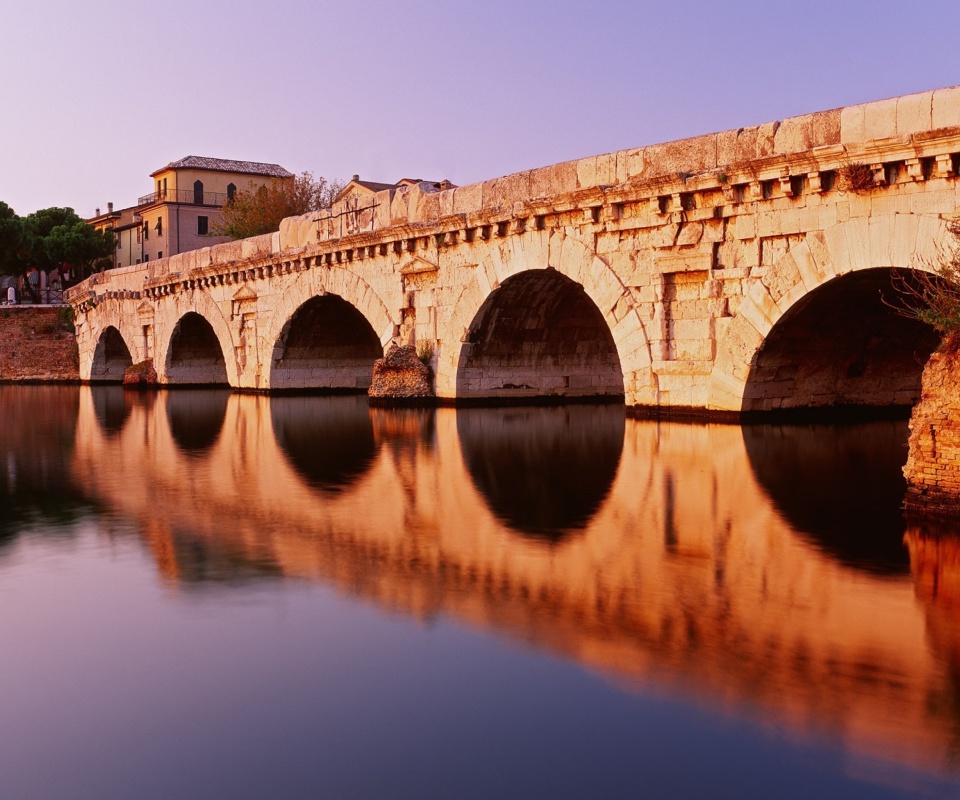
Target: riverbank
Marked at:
37, 343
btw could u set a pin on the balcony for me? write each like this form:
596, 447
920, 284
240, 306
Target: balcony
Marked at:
188, 196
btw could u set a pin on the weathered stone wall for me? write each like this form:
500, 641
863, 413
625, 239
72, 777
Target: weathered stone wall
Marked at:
692, 253
36, 344
933, 464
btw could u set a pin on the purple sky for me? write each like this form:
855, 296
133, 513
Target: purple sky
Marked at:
97, 95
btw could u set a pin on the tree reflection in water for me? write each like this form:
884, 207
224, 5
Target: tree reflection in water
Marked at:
36, 440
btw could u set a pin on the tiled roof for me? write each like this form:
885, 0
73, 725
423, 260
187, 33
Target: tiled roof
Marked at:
227, 165
374, 186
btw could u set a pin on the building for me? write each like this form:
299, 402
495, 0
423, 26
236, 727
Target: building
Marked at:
126, 225
358, 189
183, 208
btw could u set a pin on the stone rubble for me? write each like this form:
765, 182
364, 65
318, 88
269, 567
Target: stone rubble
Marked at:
142, 374
400, 375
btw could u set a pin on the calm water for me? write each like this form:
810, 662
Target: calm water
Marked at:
206, 595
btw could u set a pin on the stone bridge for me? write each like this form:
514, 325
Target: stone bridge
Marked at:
736, 272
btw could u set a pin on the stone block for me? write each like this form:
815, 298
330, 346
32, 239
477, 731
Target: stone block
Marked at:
633, 163
946, 108
553, 180
607, 169
587, 173
693, 155
914, 113
737, 146
468, 199
744, 226
797, 134
851, 124
880, 119
502, 193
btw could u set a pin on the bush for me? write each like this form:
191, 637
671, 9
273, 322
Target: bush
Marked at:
857, 177
933, 296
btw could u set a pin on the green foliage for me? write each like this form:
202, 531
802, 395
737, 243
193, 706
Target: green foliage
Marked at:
65, 319
425, 351
11, 240
260, 210
38, 226
79, 244
50, 237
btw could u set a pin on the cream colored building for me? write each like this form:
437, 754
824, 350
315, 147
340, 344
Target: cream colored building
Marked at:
184, 207
126, 225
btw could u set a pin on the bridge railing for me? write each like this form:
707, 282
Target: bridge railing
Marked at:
184, 196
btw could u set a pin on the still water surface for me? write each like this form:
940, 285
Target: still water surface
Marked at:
209, 595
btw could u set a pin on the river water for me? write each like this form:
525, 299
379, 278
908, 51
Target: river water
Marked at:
211, 595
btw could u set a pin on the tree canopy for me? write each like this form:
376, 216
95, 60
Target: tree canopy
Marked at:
50, 237
258, 210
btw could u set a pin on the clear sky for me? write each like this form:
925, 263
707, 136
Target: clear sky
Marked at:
96, 95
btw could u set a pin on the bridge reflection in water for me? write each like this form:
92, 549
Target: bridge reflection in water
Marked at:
760, 570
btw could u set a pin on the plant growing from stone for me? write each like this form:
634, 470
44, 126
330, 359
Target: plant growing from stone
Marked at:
933, 296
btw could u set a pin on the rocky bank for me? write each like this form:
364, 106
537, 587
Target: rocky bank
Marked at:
933, 465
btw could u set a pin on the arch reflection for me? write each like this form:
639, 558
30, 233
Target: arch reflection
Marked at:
111, 406
841, 486
196, 418
328, 440
683, 573
544, 470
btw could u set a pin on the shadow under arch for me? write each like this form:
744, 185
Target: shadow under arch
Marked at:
326, 344
111, 406
329, 441
110, 358
196, 418
841, 347
839, 486
195, 356
544, 472
539, 335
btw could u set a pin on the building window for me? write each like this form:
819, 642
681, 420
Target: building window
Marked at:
202, 225
231, 191
159, 253
159, 227
146, 257
198, 192
146, 230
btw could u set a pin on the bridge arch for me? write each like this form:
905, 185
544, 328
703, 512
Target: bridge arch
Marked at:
195, 355
214, 362
550, 290
816, 331
326, 332
111, 356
